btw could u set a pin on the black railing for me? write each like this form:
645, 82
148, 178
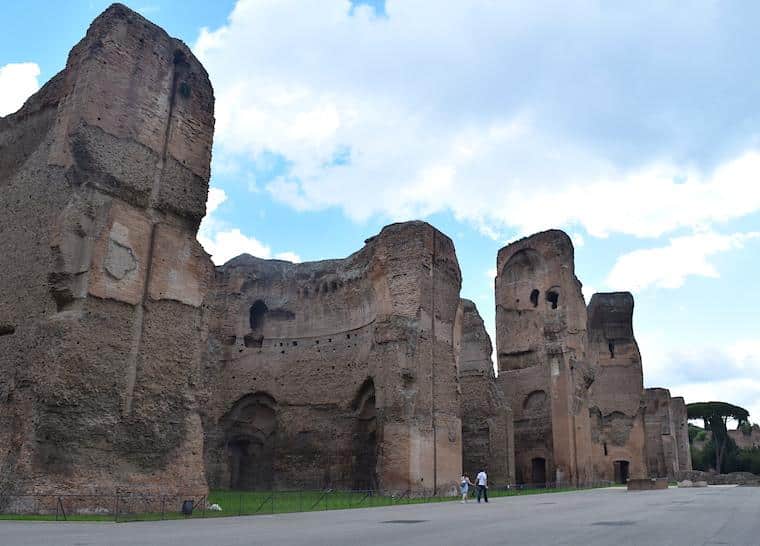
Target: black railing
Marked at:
132, 506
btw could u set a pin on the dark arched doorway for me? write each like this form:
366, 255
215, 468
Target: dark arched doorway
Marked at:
538, 471
364, 442
250, 431
256, 315
621, 471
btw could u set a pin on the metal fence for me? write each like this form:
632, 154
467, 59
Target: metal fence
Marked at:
131, 506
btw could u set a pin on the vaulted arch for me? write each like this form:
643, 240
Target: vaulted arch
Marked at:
250, 432
524, 265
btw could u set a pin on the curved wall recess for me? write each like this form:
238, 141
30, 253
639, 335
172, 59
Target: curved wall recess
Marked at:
256, 315
364, 448
524, 265
534, 295
535, 401
552, 297
250, 430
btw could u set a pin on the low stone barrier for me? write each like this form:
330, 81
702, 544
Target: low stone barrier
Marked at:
647, 484
738, 478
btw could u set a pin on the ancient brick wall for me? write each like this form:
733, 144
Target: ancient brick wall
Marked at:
681, 431
336, 373
662, 441
487, 432
129, 362
616, 396
103, 182
541, 354
745, 440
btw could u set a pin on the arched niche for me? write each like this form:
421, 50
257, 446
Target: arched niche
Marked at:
535, 402
524, 265
250, 433
256, 315
552, 297
364, 442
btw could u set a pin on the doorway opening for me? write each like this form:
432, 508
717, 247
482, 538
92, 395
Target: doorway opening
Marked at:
250, 435
538, 471
621, 471
364, 448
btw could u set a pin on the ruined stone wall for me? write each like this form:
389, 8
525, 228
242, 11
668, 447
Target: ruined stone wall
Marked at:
681, 431
487, 433
662, 446
339, 373
103, 182
744, 440
541, 354
616, 396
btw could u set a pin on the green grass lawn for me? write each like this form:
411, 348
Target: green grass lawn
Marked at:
236, 503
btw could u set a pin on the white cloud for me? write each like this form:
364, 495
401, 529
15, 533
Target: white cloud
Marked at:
744, 392
224, 243
704, 373
18, 81
588, 291
578, 240
288, 256
668, 267
216, 196
512, 115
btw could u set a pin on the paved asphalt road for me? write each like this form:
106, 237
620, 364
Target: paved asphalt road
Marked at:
706, 516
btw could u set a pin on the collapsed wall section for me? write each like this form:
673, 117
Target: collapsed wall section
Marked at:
103, 177
616, 396
487, 431
339, 373
541, 355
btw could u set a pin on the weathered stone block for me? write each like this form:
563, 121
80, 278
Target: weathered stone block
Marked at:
100, 380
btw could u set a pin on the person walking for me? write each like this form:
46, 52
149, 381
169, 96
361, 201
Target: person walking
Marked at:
464, 487
482, 481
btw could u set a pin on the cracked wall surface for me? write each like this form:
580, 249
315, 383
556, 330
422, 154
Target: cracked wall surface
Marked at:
104, 175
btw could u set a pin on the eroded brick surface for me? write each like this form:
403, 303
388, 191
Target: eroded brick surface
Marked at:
487, 430
101, 167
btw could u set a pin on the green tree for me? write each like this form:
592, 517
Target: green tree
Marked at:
696, 433
715, 416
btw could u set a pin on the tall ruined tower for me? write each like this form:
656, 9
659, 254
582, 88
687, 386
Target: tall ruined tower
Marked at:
617, 395
541, 353
103, 177
338, 373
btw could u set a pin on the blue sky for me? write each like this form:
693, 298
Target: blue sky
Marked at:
634, 129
